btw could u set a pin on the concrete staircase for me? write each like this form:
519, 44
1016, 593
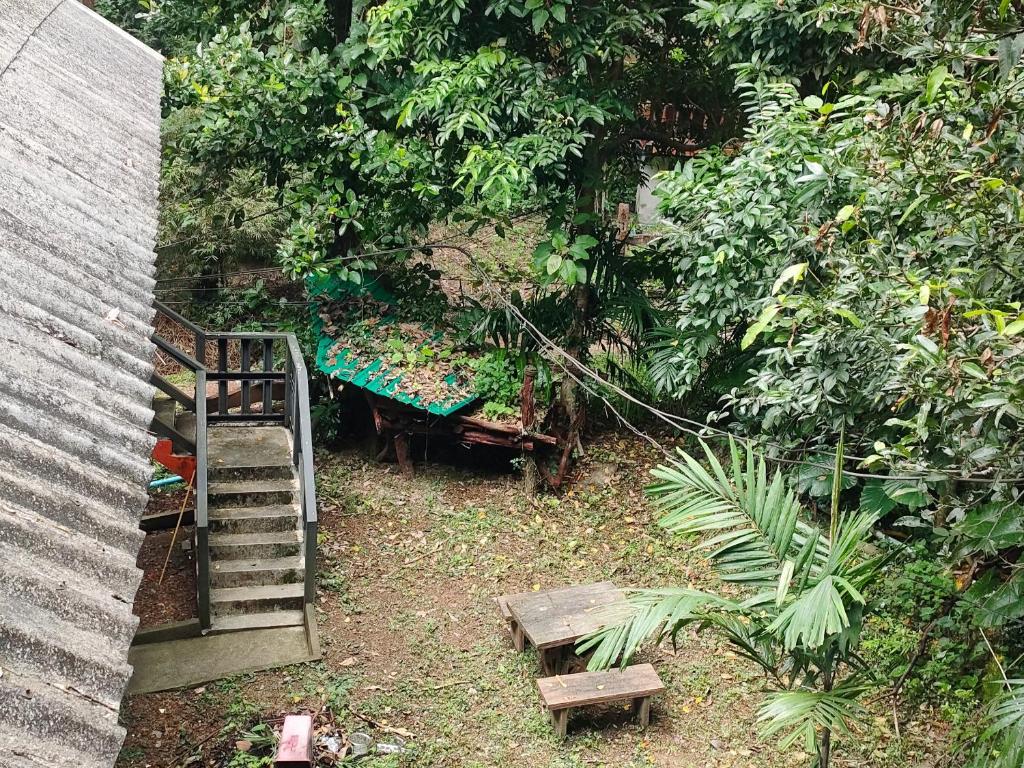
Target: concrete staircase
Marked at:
256, 545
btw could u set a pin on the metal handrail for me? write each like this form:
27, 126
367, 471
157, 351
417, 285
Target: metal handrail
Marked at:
202, 520
302, 456
200, 481
198, 333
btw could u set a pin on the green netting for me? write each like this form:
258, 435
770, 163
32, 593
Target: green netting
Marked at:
374, 376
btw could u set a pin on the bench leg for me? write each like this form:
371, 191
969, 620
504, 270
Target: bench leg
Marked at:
642, 710
518, 638
549, 661
560, 719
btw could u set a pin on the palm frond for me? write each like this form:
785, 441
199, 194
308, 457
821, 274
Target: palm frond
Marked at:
816, 613
747, 637
1001, 744
756, 521
803, 713
654, 614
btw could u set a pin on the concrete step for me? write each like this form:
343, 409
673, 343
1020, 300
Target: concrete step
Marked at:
163, 410
237, 445
253, 493
255, 546
185, 423
269, 519
241, 621
224, 474
249, 573
256, 599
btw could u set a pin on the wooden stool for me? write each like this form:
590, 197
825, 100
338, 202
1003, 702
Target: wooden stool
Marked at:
562, 693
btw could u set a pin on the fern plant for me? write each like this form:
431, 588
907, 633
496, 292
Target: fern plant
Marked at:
1001, 743
801, 607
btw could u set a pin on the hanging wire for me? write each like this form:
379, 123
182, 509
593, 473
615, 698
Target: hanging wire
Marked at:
564, 360
568, 364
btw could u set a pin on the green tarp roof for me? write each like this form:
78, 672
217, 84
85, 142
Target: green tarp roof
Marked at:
374, 375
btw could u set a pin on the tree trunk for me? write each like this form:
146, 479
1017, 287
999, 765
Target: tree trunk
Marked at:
577, 340
528, 415
825, 743
341, 19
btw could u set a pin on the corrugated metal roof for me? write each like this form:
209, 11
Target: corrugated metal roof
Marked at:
79, 172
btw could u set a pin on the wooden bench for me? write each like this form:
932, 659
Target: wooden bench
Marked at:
562, 693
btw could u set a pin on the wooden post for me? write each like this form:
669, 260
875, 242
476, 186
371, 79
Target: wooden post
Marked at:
623, 217
402, 452
560, 719
642, 710
518, 636
547, 661
528, 411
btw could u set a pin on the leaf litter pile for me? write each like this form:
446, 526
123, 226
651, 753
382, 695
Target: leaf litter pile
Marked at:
420, 361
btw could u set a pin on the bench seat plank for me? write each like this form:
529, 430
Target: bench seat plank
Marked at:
585, 688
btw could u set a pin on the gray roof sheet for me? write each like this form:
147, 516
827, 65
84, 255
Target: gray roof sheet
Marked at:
79, 174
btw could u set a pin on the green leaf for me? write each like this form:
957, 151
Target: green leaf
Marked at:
935, 80
990, 529
845, 212
794, 273
989, 401
911, 208
757, 328
874, 499
927, 344
847, 315
974, 370
813, 102
558, 12
540, 18
908, 494
554, 263
1012, 329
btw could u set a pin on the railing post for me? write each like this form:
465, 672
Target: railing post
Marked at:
202, 523
246, 383
222, 367
201, 347
268, 384
289, 393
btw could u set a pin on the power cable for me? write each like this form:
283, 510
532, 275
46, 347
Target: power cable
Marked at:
564, 360
680, 423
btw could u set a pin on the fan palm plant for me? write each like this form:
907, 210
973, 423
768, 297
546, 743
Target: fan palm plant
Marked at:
1001, 744
801, 603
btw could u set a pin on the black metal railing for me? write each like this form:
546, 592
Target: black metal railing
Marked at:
273, 387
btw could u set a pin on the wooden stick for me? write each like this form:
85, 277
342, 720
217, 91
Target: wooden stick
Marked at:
177, 526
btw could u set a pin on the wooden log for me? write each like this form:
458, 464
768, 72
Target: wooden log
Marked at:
402, 452
527, 403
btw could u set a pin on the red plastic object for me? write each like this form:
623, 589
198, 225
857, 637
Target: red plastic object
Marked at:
295, 748
163, 454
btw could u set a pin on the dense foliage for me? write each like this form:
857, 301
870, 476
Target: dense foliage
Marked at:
856, 255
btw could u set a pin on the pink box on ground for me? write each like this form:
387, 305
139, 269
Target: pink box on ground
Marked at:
295, 748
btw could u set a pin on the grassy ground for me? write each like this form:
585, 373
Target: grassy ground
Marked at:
413, 642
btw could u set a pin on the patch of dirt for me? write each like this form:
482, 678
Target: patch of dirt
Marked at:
175, 598
412, 639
